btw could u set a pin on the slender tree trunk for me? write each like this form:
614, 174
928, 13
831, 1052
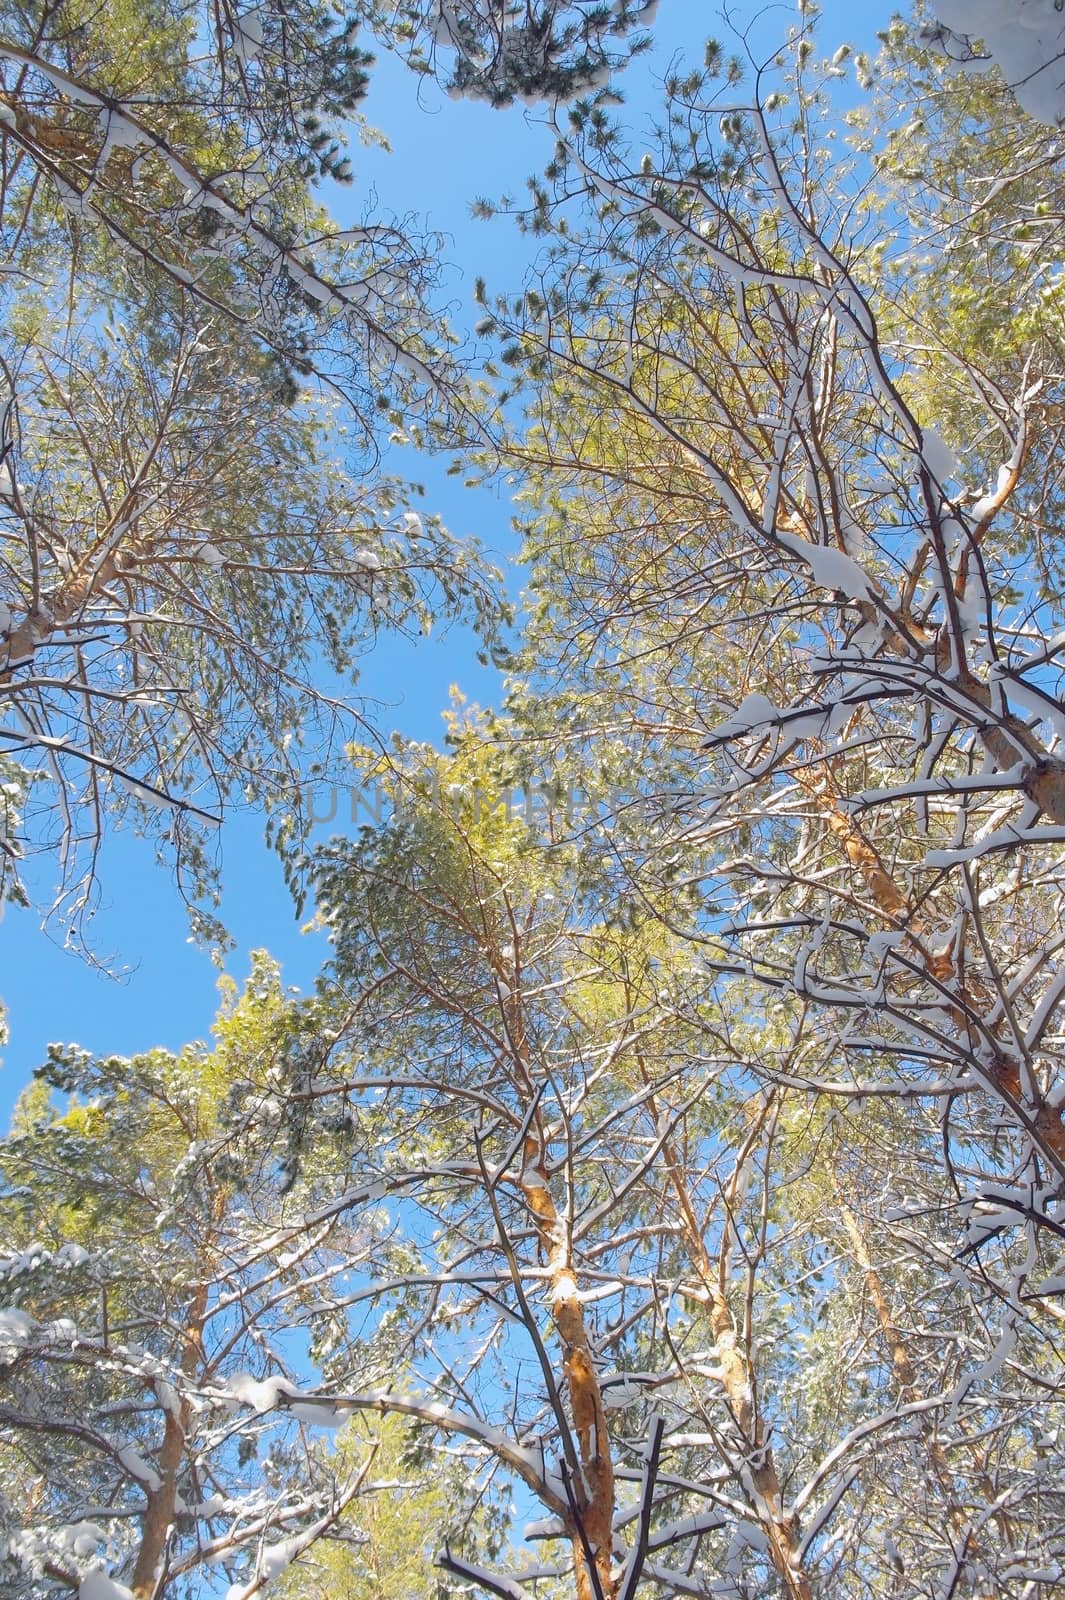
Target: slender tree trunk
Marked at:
592, 1535
162, 1500
592, 1520
758, 1473
1045, 1121
910, 1390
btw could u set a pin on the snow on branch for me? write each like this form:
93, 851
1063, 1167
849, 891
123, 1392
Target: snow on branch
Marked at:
1024, 39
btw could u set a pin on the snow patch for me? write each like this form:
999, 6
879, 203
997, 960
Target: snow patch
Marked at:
316, 1414
15, 1328
754, 711
97, 1585
831, 568
248, 37
938, 456
1024, 38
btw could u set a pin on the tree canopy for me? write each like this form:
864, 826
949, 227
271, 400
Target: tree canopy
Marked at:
663, 1192
199, 369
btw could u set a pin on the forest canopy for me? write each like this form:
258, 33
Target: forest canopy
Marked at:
662, 1192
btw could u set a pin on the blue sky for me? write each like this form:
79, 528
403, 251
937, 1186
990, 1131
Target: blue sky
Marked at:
162, 989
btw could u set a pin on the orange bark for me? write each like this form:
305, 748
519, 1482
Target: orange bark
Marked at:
159, 1513
591, 1534
909, 1388
760, 1473
1046, 1121
590, 1525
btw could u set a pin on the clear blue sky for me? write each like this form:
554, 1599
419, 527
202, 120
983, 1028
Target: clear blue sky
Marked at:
444, 154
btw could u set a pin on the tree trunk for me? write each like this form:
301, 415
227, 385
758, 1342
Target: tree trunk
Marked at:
159, 1513
910, 1390
1044, 1121
758, 1473
592, 1530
